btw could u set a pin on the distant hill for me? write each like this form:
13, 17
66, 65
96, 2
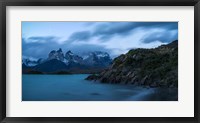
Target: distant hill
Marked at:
50, 66
156, 67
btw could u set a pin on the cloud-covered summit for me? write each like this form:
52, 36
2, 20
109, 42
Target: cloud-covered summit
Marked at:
113, 37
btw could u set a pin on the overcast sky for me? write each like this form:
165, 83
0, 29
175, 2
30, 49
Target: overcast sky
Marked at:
39, 38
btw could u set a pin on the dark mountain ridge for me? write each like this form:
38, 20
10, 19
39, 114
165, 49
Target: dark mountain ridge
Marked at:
157, 67
53, 65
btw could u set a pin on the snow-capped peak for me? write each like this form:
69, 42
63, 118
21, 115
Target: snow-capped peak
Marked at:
69, 52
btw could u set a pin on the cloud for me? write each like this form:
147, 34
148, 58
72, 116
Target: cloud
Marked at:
80, 36
162, 36
125, 28
42, 39
107, 31
38, 50
39, 47
84, 48
112, 37
115, 28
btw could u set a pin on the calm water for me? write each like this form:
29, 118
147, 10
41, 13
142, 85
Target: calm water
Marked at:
75, 88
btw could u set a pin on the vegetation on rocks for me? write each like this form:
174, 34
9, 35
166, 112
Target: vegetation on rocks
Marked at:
157, 67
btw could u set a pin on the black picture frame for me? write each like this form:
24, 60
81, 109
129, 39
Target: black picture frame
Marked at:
5, 3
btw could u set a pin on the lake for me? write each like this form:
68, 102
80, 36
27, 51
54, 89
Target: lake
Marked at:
75, 88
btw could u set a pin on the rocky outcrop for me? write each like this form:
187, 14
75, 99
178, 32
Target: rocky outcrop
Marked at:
156, 67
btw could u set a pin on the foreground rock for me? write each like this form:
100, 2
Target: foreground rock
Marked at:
156, 67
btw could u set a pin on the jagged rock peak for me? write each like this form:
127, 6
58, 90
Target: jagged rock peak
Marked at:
71, 57
53, 51
69, 52
60, 50
56, 55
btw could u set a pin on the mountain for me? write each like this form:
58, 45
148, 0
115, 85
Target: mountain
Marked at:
51, 66
29, 70
29, 62
156, 67
56, 55
41, 60
97, 58
32, 62
56, 61
71, 58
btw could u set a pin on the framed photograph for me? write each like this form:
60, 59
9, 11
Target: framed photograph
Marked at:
99, 61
